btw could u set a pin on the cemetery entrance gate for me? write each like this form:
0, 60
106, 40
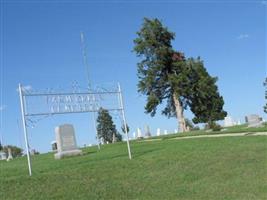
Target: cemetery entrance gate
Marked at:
53, 103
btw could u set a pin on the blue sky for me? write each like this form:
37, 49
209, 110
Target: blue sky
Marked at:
40, 47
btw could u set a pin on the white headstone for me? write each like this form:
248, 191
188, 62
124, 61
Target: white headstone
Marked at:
139, 133
2, 155
175, 131
102, 141
9, 157
158, 132
165, 132
66, 141
134, 135
228, 121
253, 120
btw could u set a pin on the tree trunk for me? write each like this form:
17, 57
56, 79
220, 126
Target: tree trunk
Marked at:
179, 114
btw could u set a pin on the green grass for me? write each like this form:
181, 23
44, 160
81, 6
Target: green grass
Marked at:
204, 168
244, 128
229, 130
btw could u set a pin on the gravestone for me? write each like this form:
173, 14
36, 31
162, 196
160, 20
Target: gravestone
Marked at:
147, 131
66, 142
253, 120
102, 141
134, 135
228, 121
175, 131
9, 157
2, 155
158, 132
165, 132
34, 152
139, 133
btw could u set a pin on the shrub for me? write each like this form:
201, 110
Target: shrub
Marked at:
213, 125
195, 128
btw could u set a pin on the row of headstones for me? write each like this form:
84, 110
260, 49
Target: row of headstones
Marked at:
252, 121
3, 155
148, 133
66, 145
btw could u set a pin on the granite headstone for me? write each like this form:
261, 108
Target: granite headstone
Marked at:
147, 131
66, 142
253, 120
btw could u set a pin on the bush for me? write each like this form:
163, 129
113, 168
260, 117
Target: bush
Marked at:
213, 125
195, 128
217, 127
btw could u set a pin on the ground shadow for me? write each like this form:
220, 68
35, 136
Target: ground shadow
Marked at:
142, 153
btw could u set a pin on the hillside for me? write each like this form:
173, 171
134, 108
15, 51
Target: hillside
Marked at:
205, 168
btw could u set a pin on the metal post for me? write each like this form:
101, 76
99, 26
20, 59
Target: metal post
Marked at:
124, 120
25, 128
89, 82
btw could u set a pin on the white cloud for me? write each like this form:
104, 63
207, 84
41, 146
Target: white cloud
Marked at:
243, 36
2, 107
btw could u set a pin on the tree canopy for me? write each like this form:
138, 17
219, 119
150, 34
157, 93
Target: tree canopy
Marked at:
204, 98
123, 129
166, 76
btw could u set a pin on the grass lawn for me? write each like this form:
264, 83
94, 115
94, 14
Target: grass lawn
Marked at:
229, 130
204, 168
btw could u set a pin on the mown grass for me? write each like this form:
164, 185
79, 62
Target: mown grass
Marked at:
229, 130
245, 128
204, 168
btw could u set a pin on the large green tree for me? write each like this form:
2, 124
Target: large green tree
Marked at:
106, 129
166, 76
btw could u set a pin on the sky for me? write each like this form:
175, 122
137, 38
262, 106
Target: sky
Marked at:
41, 48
